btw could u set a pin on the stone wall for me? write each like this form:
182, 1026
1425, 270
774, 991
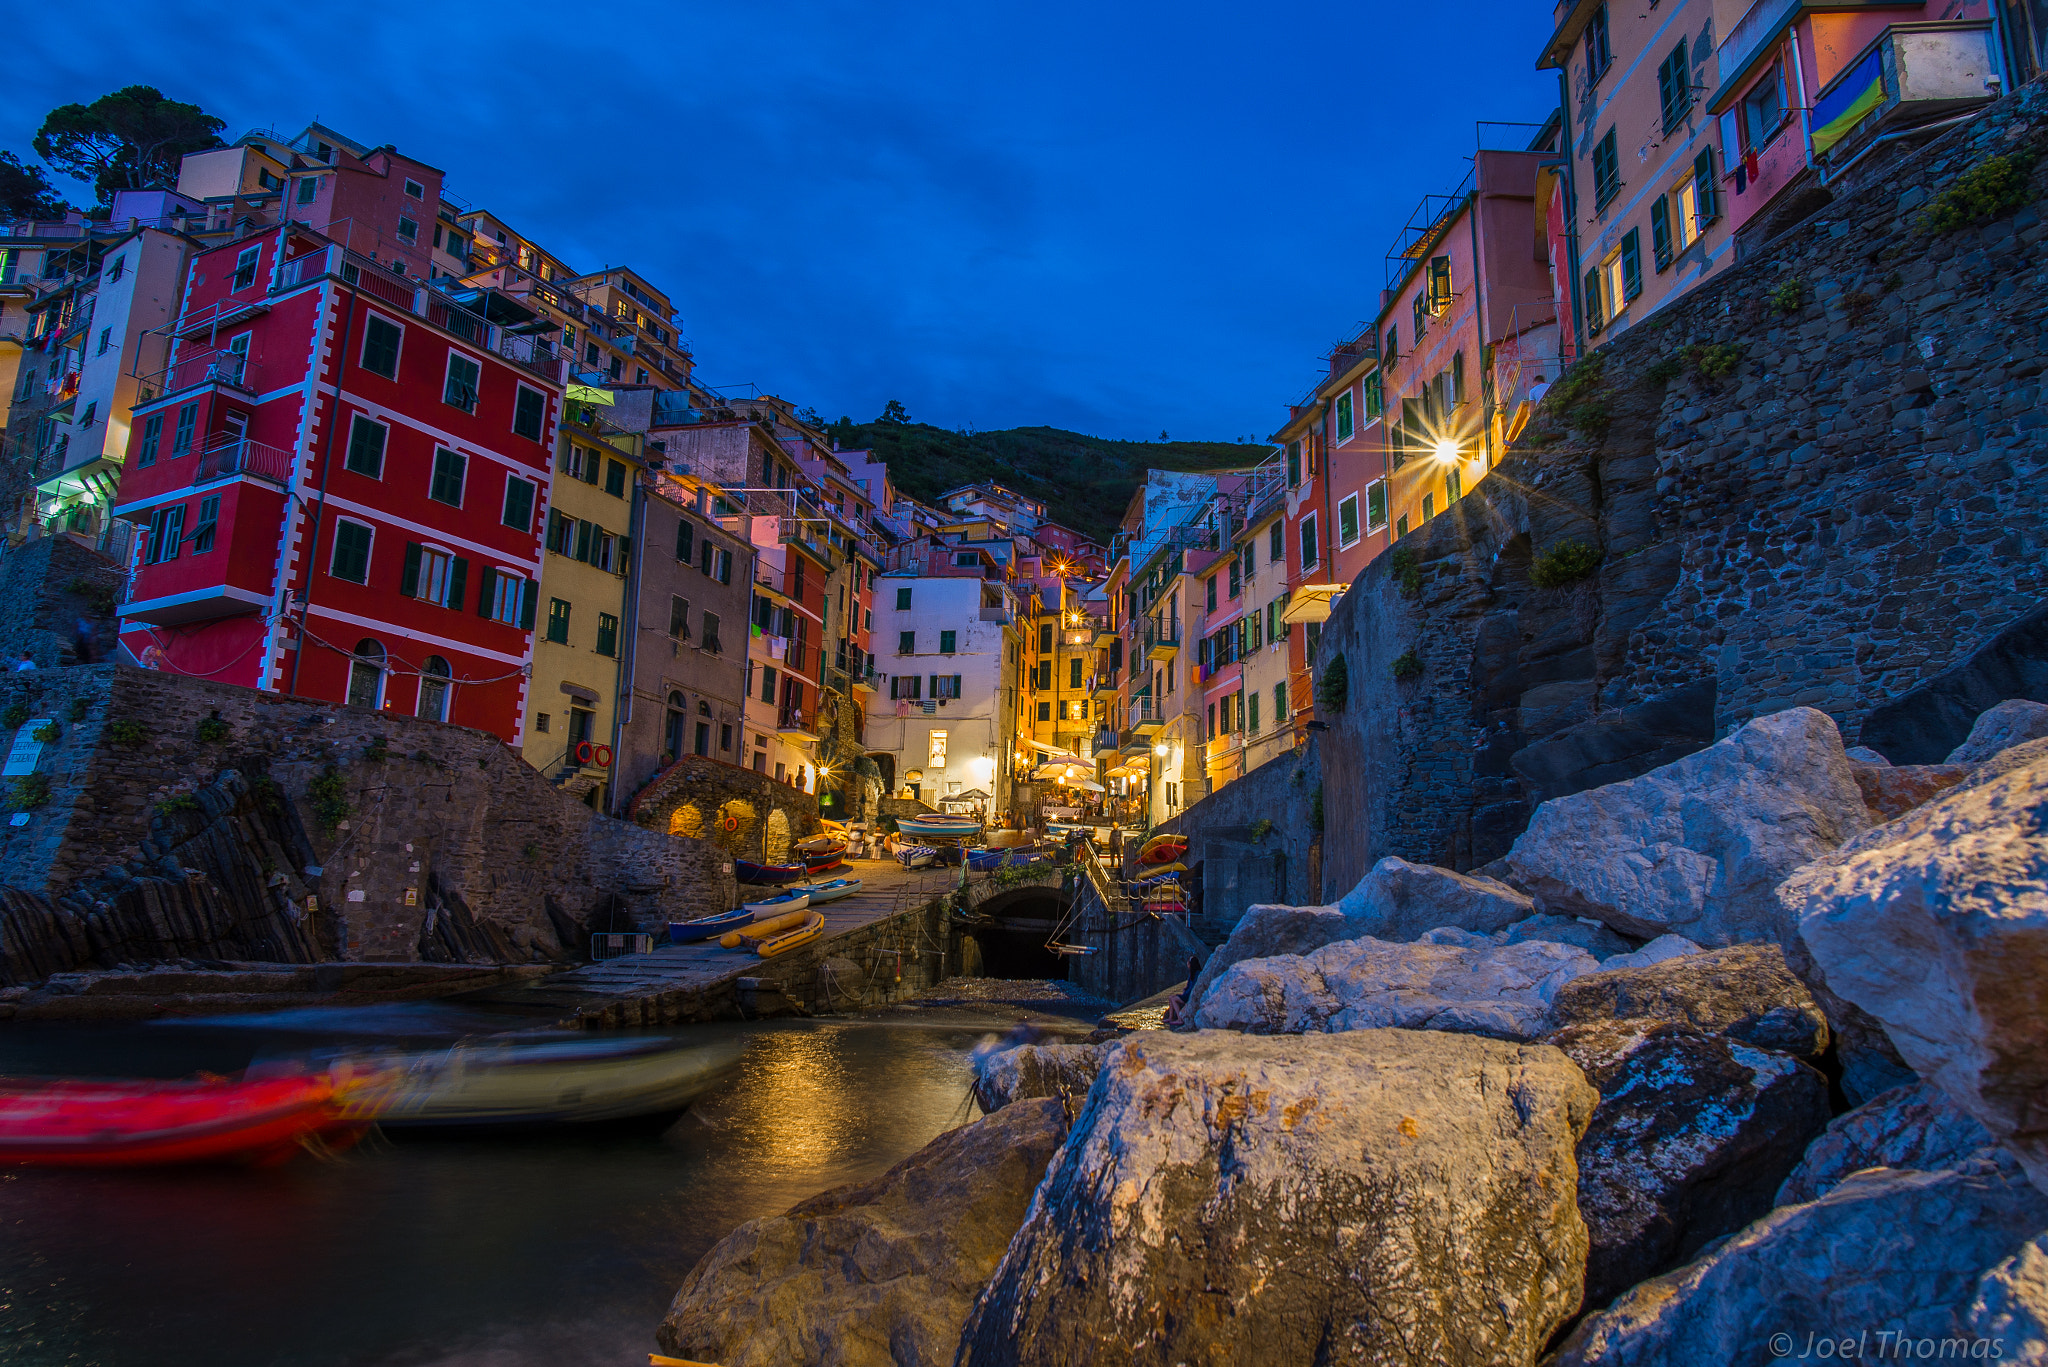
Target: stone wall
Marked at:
265, 826
1252, 841
1838, 518
47, 586
745, 814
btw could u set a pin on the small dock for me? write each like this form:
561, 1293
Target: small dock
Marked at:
893, 933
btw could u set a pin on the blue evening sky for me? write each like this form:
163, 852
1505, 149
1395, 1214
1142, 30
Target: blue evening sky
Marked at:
1120, 218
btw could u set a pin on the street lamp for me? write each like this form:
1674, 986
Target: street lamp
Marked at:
1160, 749
1446, 449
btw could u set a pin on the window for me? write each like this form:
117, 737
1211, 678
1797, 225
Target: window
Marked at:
1660, 231
1598, 54
115, 267
558, 621
1045, 711
686, 541
181, 439
1375, 396
607, 634
527, 411
615, 479
433, 576
708, 624
90, 416
518, 503
209, 523
1595, 317
450, 468
1276, 543
1236, 577
906, 643
351, 552
1279, 703
904, 687
416, 190
1400, 530
724, 736
965, 560
722, 567
1376, 505
408, 231
1606, 171
106, 340
703, 737
946, 641
381, 341
1347, 521
366, 447
308, 188
1704, 189
1210, 600
1613, 288
1674, 87
1252, 714
578, 460
903, 600
366, 675
506, 598
152, 434
1392, 350
1421, 314
1293, 463
1428, 506
1685, 201
1309, 557
945, 685
1074, 672
1045, 639
1763, 109
1344, 416
1454, 486
245, 268
1439, 285
166, 530
435, 688
1632, 264
460, 388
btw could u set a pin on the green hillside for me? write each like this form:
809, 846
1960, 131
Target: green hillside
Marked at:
1083, 481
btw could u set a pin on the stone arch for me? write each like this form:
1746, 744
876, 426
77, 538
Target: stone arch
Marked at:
775, 838
687, 820
733, 829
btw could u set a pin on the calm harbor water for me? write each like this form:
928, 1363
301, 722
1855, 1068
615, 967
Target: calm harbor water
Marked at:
558, 1249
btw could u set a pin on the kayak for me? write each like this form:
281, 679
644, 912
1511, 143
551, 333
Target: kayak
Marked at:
795, 899
69, 1122
746, 871
832, 891
762, 930
506, 1082
947, 827
704, 927
1162, 849
801, 935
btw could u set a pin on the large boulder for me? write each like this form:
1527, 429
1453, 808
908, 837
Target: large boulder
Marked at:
1890, 1253
1746, 992
1696, 847
1477, 988
1398, 900
1591, 936
1937, 925
1268, 929
1693, 1134
1024, 1071
2013, 722
880, 1274
2010, 1308
1893, 790
1913, 1126
1378, 1197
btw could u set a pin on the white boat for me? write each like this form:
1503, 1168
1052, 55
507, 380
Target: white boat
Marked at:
830, 892
544, 1082
796, 899
933, 824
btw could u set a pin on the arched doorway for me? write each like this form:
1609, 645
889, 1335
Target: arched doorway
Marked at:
687, 821
436, 688
1012, 940
775, 838
366, 675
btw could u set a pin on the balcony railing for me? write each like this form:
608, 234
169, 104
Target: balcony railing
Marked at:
224, 455
202, 368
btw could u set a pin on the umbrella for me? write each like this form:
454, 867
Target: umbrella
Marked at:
1085, 785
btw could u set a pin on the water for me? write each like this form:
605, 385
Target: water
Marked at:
557, 1249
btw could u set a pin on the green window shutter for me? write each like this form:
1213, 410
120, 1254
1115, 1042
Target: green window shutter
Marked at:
1632, 264
625, 554
1708, 193
1660, 231
1594, 321
487, 585
707, 548
686, 541
526, 414
458, 583
365, 447
409, 577
529, 596
583, 540
1376, 505
956, 685
519, 503
591, 471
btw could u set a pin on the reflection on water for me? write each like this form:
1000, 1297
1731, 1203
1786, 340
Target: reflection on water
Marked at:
510, 1251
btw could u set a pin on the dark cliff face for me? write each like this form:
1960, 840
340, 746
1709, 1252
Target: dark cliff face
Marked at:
1818, 483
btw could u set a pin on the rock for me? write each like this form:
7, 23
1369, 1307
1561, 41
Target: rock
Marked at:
1890, 791
1619, 744
1913, 1126
1863, 754
2010, 1308
1596, 939
1937, 925
1656, 952
1928, 723
1696, 847
2012, 722
882, 1272
1268, 929
1746, 992
1885, 1253
2005, 761
1378, 1197
1034, 1070
1484, 988
1692, 1137
1398, 901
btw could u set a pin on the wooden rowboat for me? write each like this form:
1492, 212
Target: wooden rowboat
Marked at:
762, 930
747, 871
794, 938
795, 899
830, 892
63, 1122
948, 827
704, 927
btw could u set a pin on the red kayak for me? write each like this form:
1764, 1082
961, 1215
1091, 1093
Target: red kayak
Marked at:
66, 1122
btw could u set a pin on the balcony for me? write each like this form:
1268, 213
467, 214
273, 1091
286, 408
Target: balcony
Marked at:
1148, 714
864, 681
1224, 747
1001, 615
1162, 642
225, 456
231, 369
796, 724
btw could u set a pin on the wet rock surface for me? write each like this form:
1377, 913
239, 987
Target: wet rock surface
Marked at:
1402, 901
1746, 992
1382, 1196
1026, 1071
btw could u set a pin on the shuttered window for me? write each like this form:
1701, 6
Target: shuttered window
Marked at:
366, 447
519, 504
1606, 171
1660, 231
686, 541
380, 347
449, 471
1631, 264
527, 411
1674, 87
1708, 192
351, 552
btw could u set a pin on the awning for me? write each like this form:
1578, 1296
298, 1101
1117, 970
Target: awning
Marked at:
1054, 751
583, 393
1312, 602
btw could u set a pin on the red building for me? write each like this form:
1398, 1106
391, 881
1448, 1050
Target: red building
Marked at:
342, 475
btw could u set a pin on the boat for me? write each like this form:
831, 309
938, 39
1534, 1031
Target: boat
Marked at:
747, 871
544, 1081
791, 899
762, 930
832, 891
1162, 849
824, 840
704, 927
68, 1122
816, 861
934, 824
917, 856
982, 860
793, 938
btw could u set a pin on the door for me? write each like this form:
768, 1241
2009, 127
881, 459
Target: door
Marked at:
234, 432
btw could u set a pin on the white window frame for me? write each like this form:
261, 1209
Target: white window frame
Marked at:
414, 189
436, 565
369, 555
1685, 206
517, 390
252, 257
411, 239
1357, 522
1372, 526
1314, 538
397, 360
477, 389
501, 596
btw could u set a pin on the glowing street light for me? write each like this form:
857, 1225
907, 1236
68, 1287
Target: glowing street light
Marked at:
1160, 750
1446, 449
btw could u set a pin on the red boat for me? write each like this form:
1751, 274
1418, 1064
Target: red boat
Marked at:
68, 1122
830, 857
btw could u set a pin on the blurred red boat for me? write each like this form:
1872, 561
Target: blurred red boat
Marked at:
66, 1122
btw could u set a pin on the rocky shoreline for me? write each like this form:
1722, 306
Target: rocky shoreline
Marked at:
1741, 1060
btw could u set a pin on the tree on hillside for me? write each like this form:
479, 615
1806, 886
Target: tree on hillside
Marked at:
894, 413
129, 140
25, 191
